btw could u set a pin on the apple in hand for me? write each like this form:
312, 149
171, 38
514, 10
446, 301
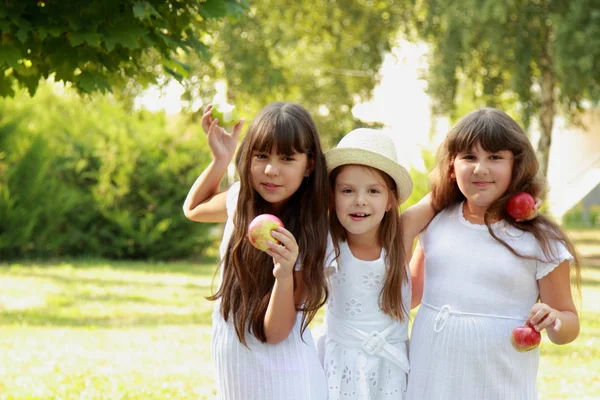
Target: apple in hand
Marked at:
259, 230
225, 113
525, 338
521, 205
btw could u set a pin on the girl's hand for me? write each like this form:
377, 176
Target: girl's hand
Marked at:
222, 144
534, 214
284, 254
542, 316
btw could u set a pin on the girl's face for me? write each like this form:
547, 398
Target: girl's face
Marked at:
483, 177
361, 201
276, 177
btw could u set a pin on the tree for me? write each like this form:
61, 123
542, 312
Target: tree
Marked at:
323, 54
540, 54
97, 45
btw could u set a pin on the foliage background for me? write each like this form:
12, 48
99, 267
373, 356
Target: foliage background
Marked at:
85, 177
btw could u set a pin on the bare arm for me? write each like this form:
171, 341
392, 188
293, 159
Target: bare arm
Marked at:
204, 203
417, 274
414, 220
281, 311
556, 311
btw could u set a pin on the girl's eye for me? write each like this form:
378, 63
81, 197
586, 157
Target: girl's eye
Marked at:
260, 156
495, 157
374, 191
286, 158
346, 190
469, 157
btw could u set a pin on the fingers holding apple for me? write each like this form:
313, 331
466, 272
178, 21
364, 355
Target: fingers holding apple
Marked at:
284, 253
226, 114
542, 316
221, 142
259, 230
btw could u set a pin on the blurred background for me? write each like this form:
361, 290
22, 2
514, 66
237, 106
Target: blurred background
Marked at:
102, 278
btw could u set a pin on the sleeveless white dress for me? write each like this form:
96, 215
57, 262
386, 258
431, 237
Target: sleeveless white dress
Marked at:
363, 350
475, 292
288, 370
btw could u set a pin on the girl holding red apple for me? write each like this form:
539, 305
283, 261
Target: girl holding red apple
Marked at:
261, 345
365, 345
478, 273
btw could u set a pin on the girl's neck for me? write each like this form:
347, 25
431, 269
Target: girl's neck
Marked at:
363, 247
475, 214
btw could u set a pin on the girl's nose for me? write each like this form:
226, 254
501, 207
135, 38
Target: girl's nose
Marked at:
360, 199
480, 168
271, 169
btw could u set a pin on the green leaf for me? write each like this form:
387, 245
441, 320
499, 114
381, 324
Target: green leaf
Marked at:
126, 36
24, 29
90, 81
143, 10
10, 55
79, 37
139, 11
213, 9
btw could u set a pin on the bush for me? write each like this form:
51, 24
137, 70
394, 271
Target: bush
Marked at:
84, 177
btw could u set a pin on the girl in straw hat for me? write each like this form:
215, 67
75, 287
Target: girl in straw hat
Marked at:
261, 345
364, 348
486, 272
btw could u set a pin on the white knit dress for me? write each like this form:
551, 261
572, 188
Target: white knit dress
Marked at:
364, 351
476, 291
288, 370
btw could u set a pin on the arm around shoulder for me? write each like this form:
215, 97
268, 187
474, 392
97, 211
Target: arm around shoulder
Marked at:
417, 273
416, 218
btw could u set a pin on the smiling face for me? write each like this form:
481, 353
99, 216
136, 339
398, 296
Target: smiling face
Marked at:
482, 176
276, 177
361, 201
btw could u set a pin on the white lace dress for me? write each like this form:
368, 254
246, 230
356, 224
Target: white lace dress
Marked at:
363, 350
476, 291
288, 370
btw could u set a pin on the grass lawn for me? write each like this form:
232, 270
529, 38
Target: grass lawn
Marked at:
111, 330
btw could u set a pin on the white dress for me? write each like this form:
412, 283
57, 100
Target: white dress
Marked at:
364, 351
475, 292
287, 370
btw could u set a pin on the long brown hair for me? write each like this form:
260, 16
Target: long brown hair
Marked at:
390, 238
248, 278
495, 131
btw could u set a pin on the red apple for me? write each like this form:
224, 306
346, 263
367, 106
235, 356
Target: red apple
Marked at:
259, 230
525, 338
521, 205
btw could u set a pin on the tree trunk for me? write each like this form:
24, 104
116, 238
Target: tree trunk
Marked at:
547, 109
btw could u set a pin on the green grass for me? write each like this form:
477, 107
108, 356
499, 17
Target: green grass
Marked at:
111, 330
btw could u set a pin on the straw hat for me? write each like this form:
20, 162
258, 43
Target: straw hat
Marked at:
373, 148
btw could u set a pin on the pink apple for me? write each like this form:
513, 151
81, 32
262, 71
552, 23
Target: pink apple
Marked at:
525, 338
259, 230
521, 205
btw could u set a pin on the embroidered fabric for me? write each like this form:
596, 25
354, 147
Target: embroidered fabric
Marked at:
365, 351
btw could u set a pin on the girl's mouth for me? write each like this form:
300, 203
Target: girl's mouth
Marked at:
359, 216
270, 186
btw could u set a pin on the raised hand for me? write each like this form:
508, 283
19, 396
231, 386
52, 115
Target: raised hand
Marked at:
222, 143
284, 254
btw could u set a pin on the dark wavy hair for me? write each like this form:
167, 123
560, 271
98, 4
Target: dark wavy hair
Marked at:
248, 279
